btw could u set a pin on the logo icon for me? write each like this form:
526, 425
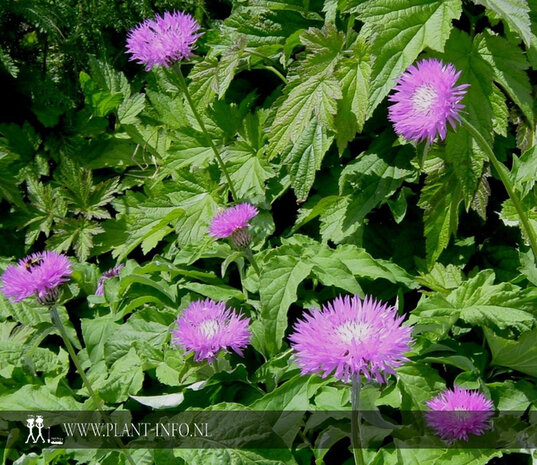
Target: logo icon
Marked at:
35, 422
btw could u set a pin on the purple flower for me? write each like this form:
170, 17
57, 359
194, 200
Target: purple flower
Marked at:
40, 274
111, 273
350, 336
425, 100
206, 327
458, 412
234, 222
163, 40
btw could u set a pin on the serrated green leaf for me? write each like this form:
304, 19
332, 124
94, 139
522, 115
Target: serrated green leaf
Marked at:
353, 75
476, 71
248, 170
467, 163
413, 26
509, 64
364, 184
520, 355
303, 159
441, 201
323, 47
479, 301
124, 378
500, 112
315, 96
77, 233
515, 13
130, 108
281, 273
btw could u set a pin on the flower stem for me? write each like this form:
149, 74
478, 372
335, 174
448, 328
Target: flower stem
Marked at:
63, 333
96, 399
184, 88
355, 420
504, 176
250, 256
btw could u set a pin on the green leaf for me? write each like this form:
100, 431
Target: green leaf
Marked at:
353, 75
228, 64
465, 159
413, 26
263, 26
520, 355
317, 96
124, 378
323, 47
408, 454
204, 81
76, 233
418, 383
130, 108
282, 271
193, 224
441, 201
476, 71
305, 156
81, 195
96, 332
148, 221
479, 302
516, 13
147, 325
37, 398
364, 184
442, 279
101, 102
248, 170
48, 207
509, 64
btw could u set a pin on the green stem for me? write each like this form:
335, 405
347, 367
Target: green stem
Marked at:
63, 333
273, 67
355, 420
97, 401
250, 256
504, 176
277, 73
184, 88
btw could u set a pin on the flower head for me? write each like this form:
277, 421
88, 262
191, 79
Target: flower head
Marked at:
350, 336
163, 40
233, 222
426, 99
39, 274
111, 273
206, 327
456, 413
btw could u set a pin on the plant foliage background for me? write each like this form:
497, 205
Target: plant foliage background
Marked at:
105, 162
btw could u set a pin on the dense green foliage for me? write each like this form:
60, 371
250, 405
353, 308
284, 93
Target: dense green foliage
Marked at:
107, 163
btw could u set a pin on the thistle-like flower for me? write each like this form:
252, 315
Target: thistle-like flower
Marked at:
351, 337
425, 100
456, 413
234, 222
40, 274
163, 40
111, 273
206, 327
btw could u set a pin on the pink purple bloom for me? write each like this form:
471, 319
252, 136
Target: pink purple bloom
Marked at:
40, 274
111, 273
351, 337
426, 99
234, 222
456, 413
206, 327
163, 40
